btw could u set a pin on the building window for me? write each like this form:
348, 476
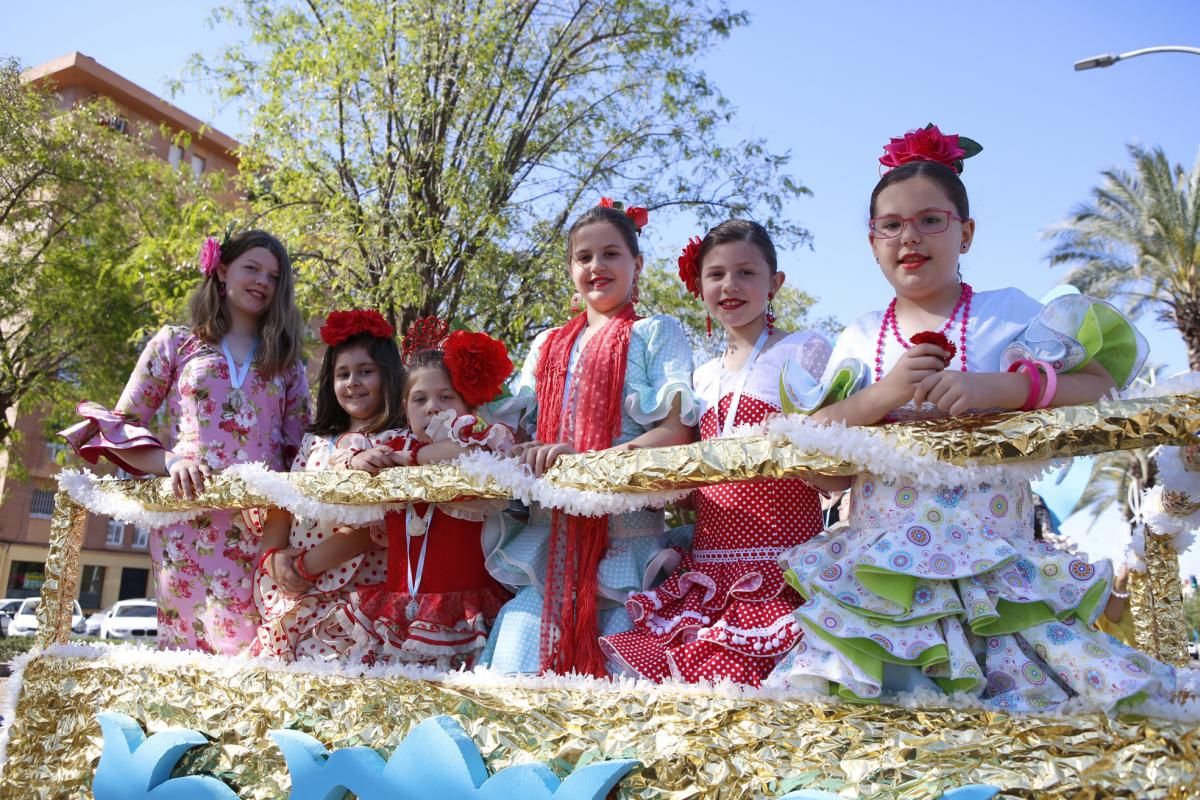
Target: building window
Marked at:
141, 537
116, 533
118, 124
54, 452
25, 579
42, 503
91, 586
197, 165
174, 155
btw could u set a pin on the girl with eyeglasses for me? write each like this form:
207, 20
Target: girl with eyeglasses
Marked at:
943, 587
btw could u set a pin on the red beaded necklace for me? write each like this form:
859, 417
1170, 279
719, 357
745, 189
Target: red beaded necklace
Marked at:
889, 321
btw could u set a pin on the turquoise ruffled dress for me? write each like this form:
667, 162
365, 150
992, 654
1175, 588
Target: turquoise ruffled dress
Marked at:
944, 587
658, 372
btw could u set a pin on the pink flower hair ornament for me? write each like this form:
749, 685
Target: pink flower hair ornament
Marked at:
929, 144
210, 256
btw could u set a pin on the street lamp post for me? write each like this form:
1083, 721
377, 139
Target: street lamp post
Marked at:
1108, 59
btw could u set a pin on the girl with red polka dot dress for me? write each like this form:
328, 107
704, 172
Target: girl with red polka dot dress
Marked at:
438, 603
308, 566
943, 587
726, 612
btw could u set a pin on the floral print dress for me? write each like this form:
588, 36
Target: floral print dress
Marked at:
203, 569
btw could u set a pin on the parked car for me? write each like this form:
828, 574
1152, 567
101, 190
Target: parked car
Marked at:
8, 610
92, 624
130, 619
25, 622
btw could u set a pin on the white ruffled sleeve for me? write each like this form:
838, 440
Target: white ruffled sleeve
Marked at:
1074, 330
519, 410
659, 370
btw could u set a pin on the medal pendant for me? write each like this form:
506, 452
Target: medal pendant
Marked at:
416, 526
411, 609
236, 399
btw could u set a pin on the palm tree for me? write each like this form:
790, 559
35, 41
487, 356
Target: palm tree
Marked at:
1137, 241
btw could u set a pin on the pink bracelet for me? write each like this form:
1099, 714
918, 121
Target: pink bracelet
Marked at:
1051, 384
1030, 368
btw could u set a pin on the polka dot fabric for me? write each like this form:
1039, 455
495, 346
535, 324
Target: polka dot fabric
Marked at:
726, 612
289, 624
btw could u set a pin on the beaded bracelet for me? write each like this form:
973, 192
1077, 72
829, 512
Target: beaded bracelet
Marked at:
298, 566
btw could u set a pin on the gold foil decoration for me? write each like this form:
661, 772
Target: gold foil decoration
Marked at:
1156, 602
692, 745
61, 587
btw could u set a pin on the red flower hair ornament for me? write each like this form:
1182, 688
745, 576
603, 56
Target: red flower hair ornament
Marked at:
689, 265
342, 325
478, 364
929, 144
637, 215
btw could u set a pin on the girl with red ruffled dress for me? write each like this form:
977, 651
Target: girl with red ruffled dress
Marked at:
726, 612
438, 602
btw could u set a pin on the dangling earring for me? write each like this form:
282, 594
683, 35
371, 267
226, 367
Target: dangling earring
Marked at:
220, 288
576, 302
770, 313
635, 295
708, 324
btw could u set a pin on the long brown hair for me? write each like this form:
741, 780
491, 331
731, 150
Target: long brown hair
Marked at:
330, 418
280, 329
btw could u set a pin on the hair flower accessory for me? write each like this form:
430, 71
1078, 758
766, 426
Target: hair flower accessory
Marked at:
478, 365
929, 144
689, 265
210, 256
342, 325
939, 339
425, 333
638, 215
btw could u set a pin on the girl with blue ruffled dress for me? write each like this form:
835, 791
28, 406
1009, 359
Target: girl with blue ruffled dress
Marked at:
606, 379
944, 587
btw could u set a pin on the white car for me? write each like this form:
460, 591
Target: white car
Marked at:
8, 608
25, 620
130, 619
92, 623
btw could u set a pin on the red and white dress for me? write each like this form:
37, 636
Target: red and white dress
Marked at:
289, 626
726, 612
444, 620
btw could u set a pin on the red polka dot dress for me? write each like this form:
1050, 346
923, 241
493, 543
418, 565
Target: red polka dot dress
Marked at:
438, 603
726, 612
290, 625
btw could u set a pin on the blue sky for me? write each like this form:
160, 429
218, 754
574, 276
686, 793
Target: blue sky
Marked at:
831, 82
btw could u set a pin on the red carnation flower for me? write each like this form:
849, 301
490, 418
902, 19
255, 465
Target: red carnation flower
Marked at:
638, 216
341, 325
929, 144
939, 339
689, 266
478, 365
606, 202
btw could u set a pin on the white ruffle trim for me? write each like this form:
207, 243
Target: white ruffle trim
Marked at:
134, 656
876, 452
1183, 529
277, 487
90, 491
663, 398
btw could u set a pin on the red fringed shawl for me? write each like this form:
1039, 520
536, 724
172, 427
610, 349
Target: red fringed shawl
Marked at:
570, 634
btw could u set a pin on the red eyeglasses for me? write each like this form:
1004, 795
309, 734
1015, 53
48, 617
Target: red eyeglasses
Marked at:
927, 222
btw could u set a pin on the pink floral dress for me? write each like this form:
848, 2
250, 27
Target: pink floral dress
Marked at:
202, 569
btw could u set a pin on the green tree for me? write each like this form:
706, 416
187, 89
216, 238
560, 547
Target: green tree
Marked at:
1138, 240
425, 156
90, 233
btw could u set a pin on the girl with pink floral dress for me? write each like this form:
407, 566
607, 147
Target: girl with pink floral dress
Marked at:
235, 391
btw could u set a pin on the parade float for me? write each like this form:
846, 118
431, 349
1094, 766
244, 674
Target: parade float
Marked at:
129, 722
